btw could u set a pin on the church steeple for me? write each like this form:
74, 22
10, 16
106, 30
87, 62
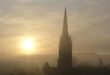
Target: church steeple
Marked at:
65, 46
65, 24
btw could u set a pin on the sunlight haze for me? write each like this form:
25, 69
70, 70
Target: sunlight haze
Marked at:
88, 22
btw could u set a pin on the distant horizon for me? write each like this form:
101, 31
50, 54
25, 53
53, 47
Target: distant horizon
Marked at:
76, 53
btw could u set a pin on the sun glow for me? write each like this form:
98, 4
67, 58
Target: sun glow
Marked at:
28, 46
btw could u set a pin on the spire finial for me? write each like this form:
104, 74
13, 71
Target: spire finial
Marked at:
65, 3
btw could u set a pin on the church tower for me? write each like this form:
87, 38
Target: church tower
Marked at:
65, 47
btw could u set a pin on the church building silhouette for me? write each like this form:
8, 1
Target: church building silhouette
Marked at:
65, 53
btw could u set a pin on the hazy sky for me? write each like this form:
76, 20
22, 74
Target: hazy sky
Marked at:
89, 24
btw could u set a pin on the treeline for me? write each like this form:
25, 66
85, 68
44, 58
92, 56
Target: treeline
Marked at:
89, 70
78, 70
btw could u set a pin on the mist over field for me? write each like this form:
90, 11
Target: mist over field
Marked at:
39, 60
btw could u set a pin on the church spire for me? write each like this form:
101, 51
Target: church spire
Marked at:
65, 46
65, 24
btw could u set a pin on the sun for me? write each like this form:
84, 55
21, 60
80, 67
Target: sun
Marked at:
28, 46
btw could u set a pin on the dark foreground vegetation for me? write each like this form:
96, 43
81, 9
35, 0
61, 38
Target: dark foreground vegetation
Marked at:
91, 71
79, 70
